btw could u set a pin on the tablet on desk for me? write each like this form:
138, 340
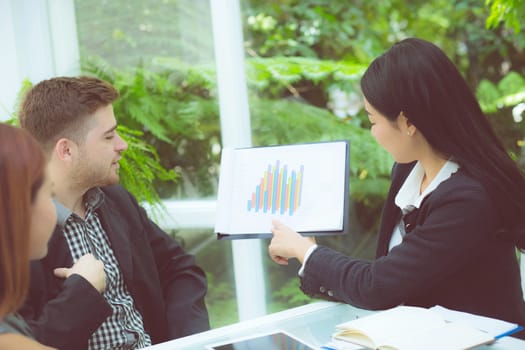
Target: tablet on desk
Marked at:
273, 341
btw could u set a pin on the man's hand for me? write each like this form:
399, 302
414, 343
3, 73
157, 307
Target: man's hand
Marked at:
88, 267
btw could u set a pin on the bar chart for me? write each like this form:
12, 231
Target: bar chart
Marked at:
278, 191
304, 186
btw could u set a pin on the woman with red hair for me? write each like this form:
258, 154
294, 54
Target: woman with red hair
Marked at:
27, 219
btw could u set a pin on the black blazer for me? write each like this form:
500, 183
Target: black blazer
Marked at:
452, 257
167, 286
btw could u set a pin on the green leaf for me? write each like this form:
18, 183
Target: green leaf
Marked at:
488, 95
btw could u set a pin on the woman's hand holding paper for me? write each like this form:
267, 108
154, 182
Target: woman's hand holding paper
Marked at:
286, 244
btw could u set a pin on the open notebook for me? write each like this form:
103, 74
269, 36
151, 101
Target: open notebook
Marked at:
414, 328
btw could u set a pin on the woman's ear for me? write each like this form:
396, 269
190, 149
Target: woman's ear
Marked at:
406, 125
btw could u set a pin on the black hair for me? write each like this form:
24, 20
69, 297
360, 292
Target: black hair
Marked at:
416, 77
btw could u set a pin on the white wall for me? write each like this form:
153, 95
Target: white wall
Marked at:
9, 70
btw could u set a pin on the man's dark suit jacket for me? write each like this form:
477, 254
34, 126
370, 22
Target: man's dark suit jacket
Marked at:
167, 286
452, 256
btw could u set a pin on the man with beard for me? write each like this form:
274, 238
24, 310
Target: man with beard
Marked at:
149, 289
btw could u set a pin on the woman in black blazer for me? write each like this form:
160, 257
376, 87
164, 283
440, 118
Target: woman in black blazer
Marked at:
455, 212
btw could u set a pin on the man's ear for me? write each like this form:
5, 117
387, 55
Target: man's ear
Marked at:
64, 149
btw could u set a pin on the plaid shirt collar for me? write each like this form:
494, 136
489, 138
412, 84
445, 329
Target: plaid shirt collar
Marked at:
93, 199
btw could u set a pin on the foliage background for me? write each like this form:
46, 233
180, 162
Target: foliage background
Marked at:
303, 59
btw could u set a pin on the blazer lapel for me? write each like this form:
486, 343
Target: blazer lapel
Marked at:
391, 213
116, 227
58, 251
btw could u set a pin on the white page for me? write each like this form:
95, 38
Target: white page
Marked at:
390, 324
448, 336
321, 205
492, 326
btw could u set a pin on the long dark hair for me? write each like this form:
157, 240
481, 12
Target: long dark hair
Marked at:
417, 78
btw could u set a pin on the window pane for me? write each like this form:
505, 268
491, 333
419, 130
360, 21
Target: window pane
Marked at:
159, 54
304, 87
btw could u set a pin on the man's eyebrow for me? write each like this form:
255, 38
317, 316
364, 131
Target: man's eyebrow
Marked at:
111, 130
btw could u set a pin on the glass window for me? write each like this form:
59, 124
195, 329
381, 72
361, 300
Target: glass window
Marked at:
160, 55
304, 87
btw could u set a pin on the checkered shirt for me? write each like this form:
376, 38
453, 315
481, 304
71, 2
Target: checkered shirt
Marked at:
124, 329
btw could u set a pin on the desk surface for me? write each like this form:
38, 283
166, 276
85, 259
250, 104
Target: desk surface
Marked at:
313, 323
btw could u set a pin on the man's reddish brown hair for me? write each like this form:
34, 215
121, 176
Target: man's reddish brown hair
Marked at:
60, 107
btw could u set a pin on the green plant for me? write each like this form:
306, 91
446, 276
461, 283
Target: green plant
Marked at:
508, 92
510, 12
140, 166
177, 115
176, 111
288, 295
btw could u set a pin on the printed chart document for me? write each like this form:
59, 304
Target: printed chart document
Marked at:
414, 328
305, 186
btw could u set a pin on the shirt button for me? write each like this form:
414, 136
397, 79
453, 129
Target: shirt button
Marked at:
330, 293
322, 289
